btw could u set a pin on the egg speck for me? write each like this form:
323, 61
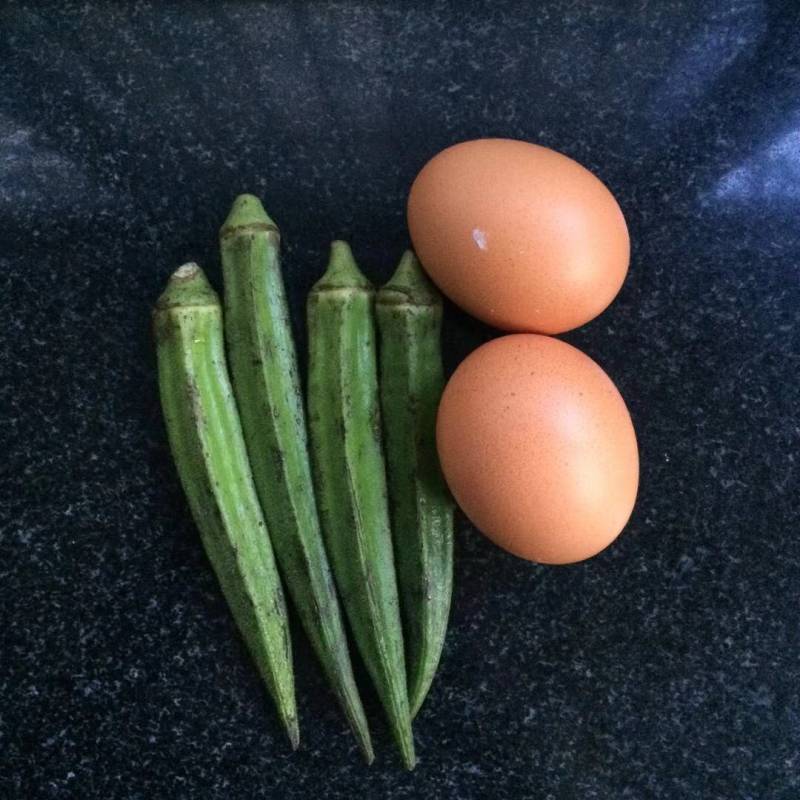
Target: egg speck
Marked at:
480, 238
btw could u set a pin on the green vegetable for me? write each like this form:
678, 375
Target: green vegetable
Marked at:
344, 419
265, 379
409, 312
209, 451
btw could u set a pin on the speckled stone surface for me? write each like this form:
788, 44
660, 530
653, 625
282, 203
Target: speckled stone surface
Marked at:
666, 668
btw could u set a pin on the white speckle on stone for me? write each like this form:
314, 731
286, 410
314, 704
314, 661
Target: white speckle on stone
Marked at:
479, 237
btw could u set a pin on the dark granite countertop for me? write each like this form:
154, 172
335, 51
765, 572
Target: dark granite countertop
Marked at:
667, 667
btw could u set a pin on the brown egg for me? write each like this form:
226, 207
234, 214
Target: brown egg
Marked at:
518, 235
538, 448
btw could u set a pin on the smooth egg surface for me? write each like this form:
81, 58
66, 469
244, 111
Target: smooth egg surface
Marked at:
518, 235
538, 448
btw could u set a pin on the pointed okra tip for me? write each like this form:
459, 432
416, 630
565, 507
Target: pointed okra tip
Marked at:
409, 758
187, 286
247, 215
293, 732
409, 284
342, 271
367, 752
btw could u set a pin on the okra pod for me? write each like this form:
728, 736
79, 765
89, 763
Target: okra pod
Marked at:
265, 380
209, 451
409, 313
347, 455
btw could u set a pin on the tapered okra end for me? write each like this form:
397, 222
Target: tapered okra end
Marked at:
342, 271
418, 689
365, 745
369, 756
354, 711
292, 731
247, 215
407, 752
409, 284
187, 286
286, 706
400, 724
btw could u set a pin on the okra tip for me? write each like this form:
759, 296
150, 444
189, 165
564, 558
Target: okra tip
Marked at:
284, 697
293, 731
407, 753
187, 286
342, 271
246, 216
409, 284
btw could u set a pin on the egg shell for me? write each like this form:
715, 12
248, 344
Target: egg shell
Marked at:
518, 235
538, 448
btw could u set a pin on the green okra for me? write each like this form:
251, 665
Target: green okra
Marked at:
265, 379
409, 313
344, 421
209, 451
